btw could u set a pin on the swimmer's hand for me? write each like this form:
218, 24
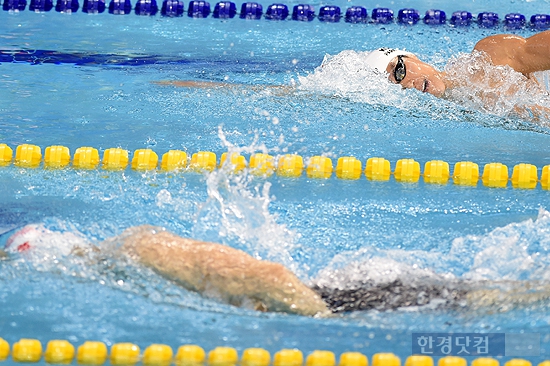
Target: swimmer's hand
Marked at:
503, 296
275, 89
3, 255
192, 84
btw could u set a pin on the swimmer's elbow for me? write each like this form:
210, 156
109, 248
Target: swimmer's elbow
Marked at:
279, 271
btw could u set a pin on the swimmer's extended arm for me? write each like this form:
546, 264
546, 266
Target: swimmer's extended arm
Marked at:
194, 84
283, 89
221, 272
525, 55
506, 295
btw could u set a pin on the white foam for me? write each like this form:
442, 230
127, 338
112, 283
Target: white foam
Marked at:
543, 77
349, 75
516, 252
478, 85
375, 270
498, 90
236, 213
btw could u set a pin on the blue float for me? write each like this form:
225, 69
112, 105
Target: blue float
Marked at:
14, 5
356, 14
172, 8
41, 5
67, 6
146, 7
224, 10
487, 19
330, 14
120, 7
435, 17
461, 18
303, 13
408, 16
514, 21
276, 12
382, 15
93, 6
198, 9
540, 21
251, 11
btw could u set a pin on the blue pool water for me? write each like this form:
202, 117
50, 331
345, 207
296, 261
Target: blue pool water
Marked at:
93, 90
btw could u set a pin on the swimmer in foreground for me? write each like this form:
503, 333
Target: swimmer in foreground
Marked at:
524, 55
234, 277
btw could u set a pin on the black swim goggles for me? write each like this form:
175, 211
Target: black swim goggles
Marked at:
400, 71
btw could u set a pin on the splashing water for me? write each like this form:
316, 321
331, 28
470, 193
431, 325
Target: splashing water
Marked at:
237, 212
45, 249
478, 86
516, 252
543, 78
498, 90
348, 75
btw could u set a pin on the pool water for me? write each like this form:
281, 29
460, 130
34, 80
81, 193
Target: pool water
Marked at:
95, 87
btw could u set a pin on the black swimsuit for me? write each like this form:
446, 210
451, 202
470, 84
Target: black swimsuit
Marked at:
392, 295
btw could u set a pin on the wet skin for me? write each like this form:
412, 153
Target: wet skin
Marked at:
524, 55
420, 76
234, 277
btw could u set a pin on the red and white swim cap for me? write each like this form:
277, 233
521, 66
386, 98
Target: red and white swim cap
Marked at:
36, 238
24, 239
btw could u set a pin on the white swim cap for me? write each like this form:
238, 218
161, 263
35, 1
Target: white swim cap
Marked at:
379, 59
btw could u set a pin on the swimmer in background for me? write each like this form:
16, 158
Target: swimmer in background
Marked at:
234, 277
524, 55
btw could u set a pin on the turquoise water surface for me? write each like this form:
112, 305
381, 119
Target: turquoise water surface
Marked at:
95, 87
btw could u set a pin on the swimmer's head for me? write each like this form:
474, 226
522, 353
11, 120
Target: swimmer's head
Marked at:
24, 239
406, 69
36, 238
379, 59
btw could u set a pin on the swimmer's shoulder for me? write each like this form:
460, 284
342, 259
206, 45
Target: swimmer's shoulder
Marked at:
505, 49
